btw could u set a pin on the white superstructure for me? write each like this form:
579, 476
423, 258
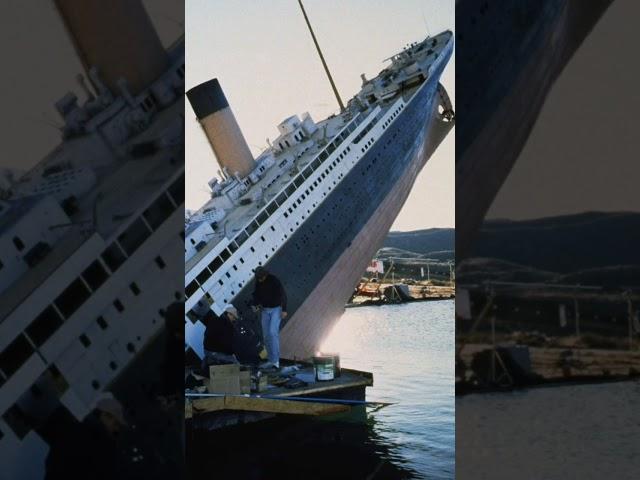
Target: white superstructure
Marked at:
88, 239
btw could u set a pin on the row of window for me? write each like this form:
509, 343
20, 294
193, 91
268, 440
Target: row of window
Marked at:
371, 124
17, 419
317, 183
367, 145
368, 128
14, 416
80, 289
273, 206
393, 115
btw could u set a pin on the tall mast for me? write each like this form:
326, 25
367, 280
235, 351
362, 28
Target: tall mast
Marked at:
324, 64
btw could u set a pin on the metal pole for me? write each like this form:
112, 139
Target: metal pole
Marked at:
493, 344
630, 316
575, 305
324, 64
393, 286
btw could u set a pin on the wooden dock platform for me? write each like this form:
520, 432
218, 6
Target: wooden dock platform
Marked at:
255, 403
211, 410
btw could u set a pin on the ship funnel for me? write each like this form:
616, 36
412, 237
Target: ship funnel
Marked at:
116, 37
220, 127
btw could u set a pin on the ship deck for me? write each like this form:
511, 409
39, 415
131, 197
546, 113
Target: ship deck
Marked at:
119, 194
274, 180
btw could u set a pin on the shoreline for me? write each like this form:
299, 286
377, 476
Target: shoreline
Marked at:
520, 367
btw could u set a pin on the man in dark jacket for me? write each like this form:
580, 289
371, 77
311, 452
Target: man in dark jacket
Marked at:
269, 295
229, 339
218, 337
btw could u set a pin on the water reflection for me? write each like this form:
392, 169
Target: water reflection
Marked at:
409, 349
579, 431
296, 448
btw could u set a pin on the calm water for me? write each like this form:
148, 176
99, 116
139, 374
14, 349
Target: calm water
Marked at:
410, 350
585, 432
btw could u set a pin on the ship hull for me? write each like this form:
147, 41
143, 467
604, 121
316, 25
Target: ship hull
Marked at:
315, 318
324, 259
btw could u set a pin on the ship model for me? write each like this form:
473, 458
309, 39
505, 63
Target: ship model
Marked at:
90, 233
316, 205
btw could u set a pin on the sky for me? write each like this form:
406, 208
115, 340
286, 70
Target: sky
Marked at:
262, 53
264, 58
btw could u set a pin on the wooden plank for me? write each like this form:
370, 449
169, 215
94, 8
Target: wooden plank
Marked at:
266, 405
282, 406
321, 388
209, 404
349, 379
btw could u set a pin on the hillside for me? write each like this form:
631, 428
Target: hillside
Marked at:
437, 243
420, 254
590, 249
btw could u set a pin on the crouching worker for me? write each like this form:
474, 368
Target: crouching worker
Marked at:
218, 337
270, 297
227, 339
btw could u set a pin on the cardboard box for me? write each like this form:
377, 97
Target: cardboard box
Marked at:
224, 379
229, 379
229, 384
245, 381
230, 369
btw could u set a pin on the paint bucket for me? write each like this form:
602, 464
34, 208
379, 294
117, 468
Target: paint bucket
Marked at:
336, 362
324, 368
